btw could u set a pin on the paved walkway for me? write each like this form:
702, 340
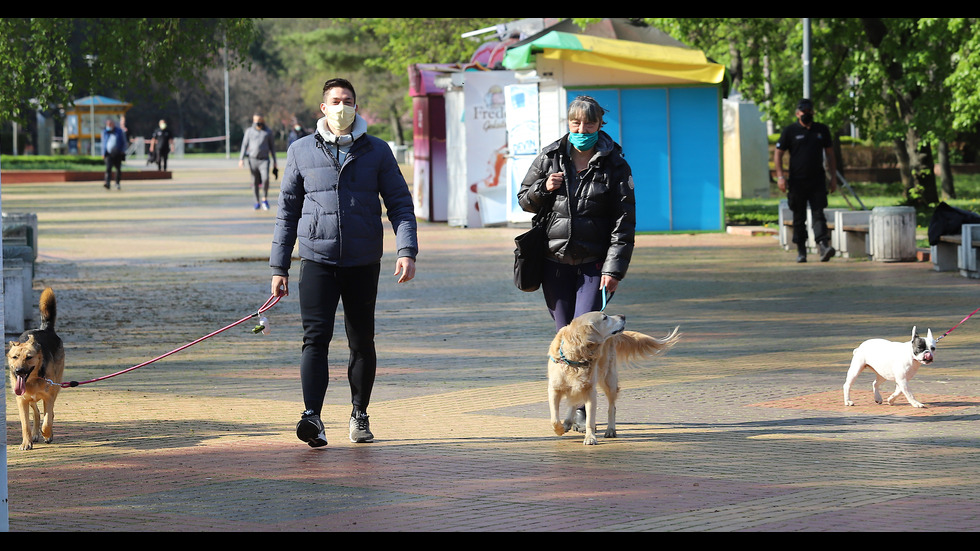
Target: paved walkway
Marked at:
740, 428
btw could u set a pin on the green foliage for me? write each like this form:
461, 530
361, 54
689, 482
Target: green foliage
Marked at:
46, 62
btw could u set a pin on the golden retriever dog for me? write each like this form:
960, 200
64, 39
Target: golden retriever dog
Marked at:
37, 358
587, 353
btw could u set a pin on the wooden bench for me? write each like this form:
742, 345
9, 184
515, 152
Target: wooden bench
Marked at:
958, 252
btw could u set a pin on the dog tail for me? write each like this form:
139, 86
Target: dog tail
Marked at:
632, 346
49, 309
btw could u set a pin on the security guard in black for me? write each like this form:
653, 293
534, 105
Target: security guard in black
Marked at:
807, 142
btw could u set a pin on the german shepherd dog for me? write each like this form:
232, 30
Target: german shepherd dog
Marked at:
36, 361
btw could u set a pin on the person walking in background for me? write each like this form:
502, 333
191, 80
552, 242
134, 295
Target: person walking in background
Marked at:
331, 201
295, 133
161, 144
258, 145
113, 151
807, 142
587, 185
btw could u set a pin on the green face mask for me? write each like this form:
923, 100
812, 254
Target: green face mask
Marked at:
583, 142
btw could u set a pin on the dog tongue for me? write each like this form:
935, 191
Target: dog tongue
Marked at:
927, 356
20, 386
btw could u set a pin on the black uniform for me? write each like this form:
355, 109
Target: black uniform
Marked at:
807, 181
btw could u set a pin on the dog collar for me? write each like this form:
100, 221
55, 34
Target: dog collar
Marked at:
561, 359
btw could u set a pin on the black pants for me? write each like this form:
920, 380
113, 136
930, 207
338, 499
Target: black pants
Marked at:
113, 160
321, 288
162, 159
814, 194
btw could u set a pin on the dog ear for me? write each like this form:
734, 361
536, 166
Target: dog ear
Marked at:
914, 333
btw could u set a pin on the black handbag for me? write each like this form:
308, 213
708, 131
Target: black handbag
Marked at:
529, 257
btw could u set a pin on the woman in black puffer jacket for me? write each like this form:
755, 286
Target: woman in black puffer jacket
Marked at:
585, 186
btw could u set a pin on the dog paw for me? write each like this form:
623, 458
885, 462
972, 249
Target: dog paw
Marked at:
610, 433
590, 440
27, 445
918, 404
559, 428
848, 402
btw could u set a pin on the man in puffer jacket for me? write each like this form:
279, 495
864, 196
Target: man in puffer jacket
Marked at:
331, 200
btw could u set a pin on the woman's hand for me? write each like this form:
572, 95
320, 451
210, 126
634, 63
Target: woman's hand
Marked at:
609, 282
555, 180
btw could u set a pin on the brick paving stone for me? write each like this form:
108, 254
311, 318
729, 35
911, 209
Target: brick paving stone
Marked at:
740, 428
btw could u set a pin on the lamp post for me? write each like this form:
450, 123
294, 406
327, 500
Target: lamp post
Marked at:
90, 59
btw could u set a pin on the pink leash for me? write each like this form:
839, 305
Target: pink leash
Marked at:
268, 304
958, 324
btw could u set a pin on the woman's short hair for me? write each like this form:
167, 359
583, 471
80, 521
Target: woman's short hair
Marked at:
586, 108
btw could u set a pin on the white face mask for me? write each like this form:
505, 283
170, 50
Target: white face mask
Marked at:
339, 116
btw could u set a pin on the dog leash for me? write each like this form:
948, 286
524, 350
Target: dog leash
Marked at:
261, 327
958, 324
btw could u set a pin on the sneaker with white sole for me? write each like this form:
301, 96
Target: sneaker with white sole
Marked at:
309, 429
578, 424
360, 428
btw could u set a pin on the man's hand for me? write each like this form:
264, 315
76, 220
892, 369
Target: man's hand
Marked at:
406, 268
280, 286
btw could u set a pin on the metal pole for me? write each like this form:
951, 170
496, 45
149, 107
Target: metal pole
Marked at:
806, 58
90, 59
227, 121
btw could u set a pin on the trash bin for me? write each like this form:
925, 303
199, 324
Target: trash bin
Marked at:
892, 234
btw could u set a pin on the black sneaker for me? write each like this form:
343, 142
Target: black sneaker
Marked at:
360, 428
826, 252
310, 430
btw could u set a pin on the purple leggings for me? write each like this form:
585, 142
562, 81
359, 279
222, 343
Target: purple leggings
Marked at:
571, 290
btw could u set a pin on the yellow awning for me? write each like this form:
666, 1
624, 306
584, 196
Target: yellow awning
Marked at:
624, 55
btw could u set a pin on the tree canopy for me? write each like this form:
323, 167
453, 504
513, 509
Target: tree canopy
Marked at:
45, 62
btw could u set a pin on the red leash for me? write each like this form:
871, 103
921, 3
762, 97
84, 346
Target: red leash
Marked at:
958, 324
268, 304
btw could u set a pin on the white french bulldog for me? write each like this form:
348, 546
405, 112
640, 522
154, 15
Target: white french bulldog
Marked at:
892, 361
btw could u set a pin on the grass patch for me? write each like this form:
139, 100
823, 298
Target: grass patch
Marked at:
51, 162
765, 212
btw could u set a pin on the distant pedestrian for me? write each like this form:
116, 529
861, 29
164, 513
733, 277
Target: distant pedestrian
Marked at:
258, 145
807, 142
295, 133
113, 151
161, 144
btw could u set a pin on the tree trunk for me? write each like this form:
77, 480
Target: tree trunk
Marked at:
903, 163
946, 171
396, 127
922, 174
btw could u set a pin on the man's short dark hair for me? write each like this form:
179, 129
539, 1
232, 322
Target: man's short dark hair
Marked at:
805, 105
339, 83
